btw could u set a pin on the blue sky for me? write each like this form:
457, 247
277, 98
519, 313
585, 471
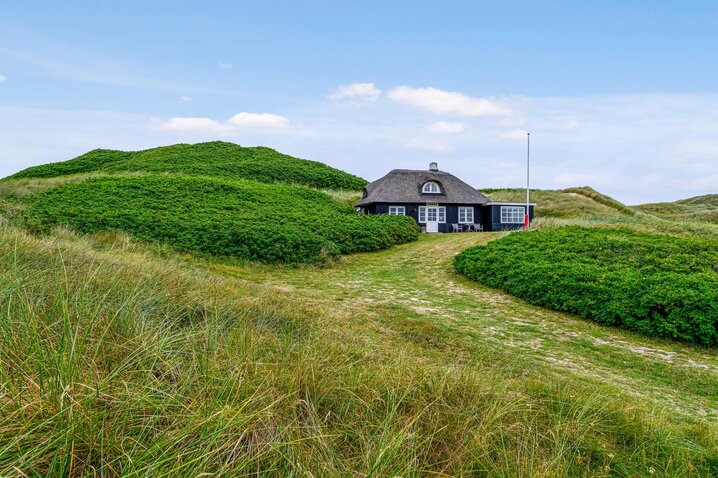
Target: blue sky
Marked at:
621, 96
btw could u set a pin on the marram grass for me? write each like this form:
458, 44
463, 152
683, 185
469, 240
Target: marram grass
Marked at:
121, 360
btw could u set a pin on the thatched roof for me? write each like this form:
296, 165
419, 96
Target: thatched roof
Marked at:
404, 186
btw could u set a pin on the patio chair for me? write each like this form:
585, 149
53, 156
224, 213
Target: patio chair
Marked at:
478, 227
456, 228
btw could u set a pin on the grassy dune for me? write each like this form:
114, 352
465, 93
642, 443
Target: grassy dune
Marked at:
121, 360
700, 208
217, 159
589, 208
568, 203
211, 198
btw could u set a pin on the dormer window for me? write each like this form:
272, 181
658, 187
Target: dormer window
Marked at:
431, 187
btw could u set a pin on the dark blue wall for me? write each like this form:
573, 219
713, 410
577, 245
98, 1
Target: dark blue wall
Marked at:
488, 216
494, 215
412, 209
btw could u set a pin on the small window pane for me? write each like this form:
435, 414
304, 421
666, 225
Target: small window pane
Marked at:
513, 214
466, 215
397, 210
431, 187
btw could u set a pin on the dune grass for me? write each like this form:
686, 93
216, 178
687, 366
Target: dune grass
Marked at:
567, 204
699, 208
640, 223
120, 359
600, 198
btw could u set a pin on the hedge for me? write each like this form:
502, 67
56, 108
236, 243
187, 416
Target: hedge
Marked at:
267, 223
654, 284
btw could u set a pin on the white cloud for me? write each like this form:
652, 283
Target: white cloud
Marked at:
234, 125
442, 102
514, 134
258, 120
225, 66
436, 147
196, 126
363, 91
3, 78
185, 99
447, 127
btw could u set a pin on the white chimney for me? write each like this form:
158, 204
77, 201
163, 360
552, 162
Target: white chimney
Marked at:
433, 166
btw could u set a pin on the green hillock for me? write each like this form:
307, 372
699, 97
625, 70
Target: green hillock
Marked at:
699, 208
572, 203
268, 223
215, 159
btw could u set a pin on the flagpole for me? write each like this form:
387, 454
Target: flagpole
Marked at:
527, 219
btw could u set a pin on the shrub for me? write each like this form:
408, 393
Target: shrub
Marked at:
650, 283
267, 223
215, 159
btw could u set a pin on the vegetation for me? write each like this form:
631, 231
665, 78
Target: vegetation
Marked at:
568, 203
586, 204
216, 159
120, 357
268, 223
123, 360
657, 285
699, 208
601, 199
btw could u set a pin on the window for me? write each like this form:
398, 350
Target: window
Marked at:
397, 211
513, 214
432, 214
431, 188
466, 215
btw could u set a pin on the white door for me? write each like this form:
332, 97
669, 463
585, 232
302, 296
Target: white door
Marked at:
432, 219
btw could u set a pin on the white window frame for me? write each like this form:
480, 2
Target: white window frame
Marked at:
466, 211
431, 187
440, 214
513, 214
397, 211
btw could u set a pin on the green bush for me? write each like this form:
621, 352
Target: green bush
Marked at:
267, 223
215, 159
654, 284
